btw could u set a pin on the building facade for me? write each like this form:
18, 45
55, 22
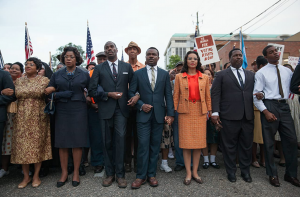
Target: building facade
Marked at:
181, 43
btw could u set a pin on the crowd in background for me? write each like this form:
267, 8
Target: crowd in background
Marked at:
126, 113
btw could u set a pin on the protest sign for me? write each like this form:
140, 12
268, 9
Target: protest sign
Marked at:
280, 49
293, 61
206, 49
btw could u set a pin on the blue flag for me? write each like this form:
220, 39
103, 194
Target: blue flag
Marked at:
242, 47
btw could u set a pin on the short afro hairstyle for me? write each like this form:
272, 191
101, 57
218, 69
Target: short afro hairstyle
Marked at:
36, 61
264, 52
79, 59
211, 72
261, 61
235, 49
20, 65
226, 65
185, 66
155, 49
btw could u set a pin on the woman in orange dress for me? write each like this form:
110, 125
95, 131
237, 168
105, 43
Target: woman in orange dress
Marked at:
192, 102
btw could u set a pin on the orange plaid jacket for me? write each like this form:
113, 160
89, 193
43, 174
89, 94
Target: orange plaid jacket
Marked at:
181, 93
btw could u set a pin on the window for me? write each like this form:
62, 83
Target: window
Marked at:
177, 51
180, 41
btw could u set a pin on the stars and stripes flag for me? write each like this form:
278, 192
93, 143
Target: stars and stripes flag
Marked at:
195, 48
90, 55
1, 61
122, 58
28, 44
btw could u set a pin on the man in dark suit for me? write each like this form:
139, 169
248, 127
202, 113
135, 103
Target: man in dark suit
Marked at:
295, 81
154, 87
114, 76
6, 82
232, 104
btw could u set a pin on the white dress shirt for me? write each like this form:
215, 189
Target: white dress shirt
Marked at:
234, 70
149, 72
266, 81
111, 66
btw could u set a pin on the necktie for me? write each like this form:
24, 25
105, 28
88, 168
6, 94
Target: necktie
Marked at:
240, 78
115, 74
279, 82
153, 79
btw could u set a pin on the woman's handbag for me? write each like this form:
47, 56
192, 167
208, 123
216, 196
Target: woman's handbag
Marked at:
50, 107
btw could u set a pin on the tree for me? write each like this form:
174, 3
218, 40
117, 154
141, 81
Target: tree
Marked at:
59, 51
173, 59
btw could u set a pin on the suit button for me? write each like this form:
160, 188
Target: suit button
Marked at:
186, 99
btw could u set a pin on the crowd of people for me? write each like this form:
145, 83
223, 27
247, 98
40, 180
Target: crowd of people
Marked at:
126, 113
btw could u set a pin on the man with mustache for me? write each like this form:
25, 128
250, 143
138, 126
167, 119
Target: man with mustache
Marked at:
114, 77
232, 106
153, 108
132, 50
274, 81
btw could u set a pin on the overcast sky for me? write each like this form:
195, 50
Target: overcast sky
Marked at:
55, 23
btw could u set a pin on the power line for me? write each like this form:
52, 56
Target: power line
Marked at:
250, 20
273, 17
279, 6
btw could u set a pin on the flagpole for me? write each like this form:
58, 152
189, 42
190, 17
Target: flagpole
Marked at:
50, 62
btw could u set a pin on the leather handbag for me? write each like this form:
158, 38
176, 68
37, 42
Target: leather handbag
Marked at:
50, 107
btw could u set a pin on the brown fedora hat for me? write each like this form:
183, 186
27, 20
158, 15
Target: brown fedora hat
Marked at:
133, 44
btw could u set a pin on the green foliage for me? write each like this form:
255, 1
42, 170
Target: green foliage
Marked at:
59, 51
173, 59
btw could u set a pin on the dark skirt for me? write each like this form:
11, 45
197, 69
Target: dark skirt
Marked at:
212, 135
71, 124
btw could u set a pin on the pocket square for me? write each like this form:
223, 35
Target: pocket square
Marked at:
125, 73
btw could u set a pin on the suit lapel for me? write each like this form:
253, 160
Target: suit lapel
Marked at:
120, 71
232, 76
159, 73
145, 75
246, 78
77, 72
64, 75
106, 66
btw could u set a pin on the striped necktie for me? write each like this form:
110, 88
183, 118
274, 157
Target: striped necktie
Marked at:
153, 79
115, 74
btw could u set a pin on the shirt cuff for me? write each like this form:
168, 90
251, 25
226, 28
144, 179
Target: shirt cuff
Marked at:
215, 114
142, 107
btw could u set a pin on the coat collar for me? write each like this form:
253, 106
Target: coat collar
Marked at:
198, 72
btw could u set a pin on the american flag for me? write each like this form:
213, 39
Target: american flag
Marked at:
195, 48
90, 55
28, 44
1, 61
122, 58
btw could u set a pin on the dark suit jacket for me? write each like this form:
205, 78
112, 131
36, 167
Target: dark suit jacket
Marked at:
5, 82
229, 99
162, 94
295, 82
61, 82
102, 76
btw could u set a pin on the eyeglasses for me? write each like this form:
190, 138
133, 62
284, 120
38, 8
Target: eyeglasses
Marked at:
190, 58
16, 69
28, 64
71, 57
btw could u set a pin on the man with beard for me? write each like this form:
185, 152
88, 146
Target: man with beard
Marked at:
133, 50
154, 87
274, 81
114, 77
232, 105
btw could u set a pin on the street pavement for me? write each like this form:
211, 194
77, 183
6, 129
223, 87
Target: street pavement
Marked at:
170, 184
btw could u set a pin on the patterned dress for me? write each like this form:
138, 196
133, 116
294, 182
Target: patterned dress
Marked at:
31, 141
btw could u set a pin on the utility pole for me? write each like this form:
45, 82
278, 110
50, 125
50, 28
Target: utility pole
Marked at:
198, 32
